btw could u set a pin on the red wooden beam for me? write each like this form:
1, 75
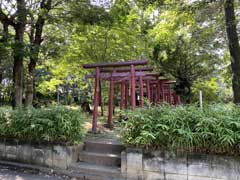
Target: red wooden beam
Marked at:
122, 95
153, 74
96, 100
119, 80
116, 64
110, 106
169, 94
148, 91
126, 94
133, 91
117, 75
152, 93
158, 92
162, 91
141, 91
127, 69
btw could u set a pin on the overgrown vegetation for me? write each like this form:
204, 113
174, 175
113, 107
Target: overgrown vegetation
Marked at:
215, 129
54, 124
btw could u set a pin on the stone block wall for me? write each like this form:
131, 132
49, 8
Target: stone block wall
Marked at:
164, 165
47, 155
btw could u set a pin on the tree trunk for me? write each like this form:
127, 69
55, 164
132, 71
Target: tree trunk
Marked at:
30, 83
34, 51
3, 41
234, 47
19, 53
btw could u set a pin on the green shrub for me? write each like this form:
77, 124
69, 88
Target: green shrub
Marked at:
214, 129
54, 124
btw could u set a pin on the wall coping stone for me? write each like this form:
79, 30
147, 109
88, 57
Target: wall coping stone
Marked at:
53, 155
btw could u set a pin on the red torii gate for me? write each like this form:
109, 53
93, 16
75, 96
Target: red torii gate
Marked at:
132, 74
121, 75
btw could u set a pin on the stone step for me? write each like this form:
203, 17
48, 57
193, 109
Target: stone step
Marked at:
104, 146
100, 158
96, 172
84, 176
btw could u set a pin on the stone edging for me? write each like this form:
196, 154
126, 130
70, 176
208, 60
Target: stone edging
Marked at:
155, 165
46, 155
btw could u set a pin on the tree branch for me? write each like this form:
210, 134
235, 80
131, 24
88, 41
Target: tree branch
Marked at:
5, 20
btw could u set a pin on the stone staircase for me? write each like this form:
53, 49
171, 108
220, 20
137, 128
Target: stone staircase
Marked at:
99, 160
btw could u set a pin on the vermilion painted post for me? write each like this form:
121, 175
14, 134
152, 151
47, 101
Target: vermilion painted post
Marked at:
133, 90
158, 92
122, 95
100, 97
152, 95
148, 91
110, 106
169, 97
162, 92
141, 91
126, 94
96, 100
155, 93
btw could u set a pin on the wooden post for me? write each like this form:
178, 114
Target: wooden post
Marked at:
96, 100
126, 94
148, 91
141, 92
133, 90
169, 94
158, 92
152, 94
100, 97
110, 106
163, 92
155, 93
122, 95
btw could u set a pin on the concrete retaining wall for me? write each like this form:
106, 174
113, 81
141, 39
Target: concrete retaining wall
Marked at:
47, 155
163, 165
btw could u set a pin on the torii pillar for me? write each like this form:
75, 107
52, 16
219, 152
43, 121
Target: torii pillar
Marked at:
96, 100
110, 106
141, 91
122, 94
133, 89
126, 94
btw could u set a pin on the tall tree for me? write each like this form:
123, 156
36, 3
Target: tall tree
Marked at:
19, 52
35, 36
234, 47
183, 49
3, 42
18, 21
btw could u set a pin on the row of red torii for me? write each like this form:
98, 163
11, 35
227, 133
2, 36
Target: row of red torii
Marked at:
157, 90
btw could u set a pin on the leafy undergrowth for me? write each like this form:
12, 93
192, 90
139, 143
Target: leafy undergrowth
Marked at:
55, 124
215, 129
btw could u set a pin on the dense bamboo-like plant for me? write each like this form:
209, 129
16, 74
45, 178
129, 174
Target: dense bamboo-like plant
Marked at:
215, 129
54, 124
